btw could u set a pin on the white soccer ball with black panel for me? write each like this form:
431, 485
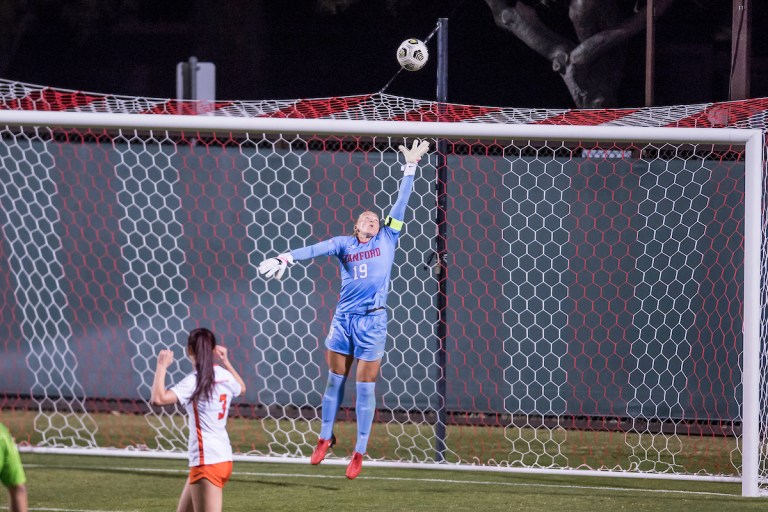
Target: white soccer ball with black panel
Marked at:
412, 54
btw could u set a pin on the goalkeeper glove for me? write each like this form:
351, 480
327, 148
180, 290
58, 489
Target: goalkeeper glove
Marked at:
413, 155
275, 266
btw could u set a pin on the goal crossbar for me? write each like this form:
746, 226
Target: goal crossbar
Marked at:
378, 128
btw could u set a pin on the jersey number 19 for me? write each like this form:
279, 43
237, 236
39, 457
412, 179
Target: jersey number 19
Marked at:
360, 272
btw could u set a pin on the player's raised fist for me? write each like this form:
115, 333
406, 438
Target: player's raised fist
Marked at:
165, 358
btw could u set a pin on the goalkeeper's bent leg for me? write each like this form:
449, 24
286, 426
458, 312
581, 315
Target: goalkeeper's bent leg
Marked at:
365, 409
334, 395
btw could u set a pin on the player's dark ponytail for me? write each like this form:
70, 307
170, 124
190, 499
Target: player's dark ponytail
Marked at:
200, 344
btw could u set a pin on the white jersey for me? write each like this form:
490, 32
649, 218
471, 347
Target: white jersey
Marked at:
207, 418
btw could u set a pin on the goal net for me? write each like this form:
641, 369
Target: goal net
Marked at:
574, 290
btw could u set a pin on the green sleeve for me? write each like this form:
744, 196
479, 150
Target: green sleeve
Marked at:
11, 470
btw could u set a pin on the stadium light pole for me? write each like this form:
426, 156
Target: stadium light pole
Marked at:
442, 252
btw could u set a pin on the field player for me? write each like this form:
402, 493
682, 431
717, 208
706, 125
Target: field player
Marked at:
359, 326
12, 473
206, 394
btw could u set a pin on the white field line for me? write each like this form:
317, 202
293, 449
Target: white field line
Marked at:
398, 479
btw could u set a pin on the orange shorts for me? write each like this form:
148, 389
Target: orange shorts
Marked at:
217, 474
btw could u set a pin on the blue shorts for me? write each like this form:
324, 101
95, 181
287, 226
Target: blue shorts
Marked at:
362, 336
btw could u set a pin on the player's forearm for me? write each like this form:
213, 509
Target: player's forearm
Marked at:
239, 381
231, 369
324, 248
159, 393
398, 209
18, 498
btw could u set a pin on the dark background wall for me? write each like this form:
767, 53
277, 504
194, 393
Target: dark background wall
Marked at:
278, 50
576, 286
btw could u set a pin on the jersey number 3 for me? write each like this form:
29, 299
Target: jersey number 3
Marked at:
223, 400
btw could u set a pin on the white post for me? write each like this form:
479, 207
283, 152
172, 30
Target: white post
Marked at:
750, 435
377, 128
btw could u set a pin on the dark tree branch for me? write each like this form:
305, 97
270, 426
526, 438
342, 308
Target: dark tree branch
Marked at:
598, 44
591, 69
522, 20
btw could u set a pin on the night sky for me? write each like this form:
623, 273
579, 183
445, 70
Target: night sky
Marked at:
281, 49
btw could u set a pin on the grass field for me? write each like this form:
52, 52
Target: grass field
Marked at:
69, 483
572, 448
65, 483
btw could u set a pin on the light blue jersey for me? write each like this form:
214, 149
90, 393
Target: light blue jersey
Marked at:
365, 267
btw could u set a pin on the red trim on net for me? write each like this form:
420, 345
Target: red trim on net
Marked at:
315, 109
722, 115
50, 100
448, 113
187, 107
587, 117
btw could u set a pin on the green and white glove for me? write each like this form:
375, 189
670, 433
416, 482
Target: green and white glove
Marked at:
413, 155
275, 266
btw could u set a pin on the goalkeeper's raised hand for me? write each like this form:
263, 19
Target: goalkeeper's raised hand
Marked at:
275, 266
413, 155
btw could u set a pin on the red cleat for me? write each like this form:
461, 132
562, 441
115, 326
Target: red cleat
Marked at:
355, 465
322, 450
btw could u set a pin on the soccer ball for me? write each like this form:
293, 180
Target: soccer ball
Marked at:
412, 54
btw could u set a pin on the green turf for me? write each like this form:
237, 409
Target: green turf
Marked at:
64, 482
496, 445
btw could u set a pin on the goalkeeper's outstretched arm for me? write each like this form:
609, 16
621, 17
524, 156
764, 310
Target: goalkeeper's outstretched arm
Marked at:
412, 156
276, 266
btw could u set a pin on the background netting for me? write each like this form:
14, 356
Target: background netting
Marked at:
594, 289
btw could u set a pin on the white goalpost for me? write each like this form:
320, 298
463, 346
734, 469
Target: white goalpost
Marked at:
603, 301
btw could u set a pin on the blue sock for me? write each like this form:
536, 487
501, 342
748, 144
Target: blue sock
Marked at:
334, 395
365, 409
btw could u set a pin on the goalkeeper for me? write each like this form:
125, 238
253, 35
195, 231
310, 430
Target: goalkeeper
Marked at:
359, 326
